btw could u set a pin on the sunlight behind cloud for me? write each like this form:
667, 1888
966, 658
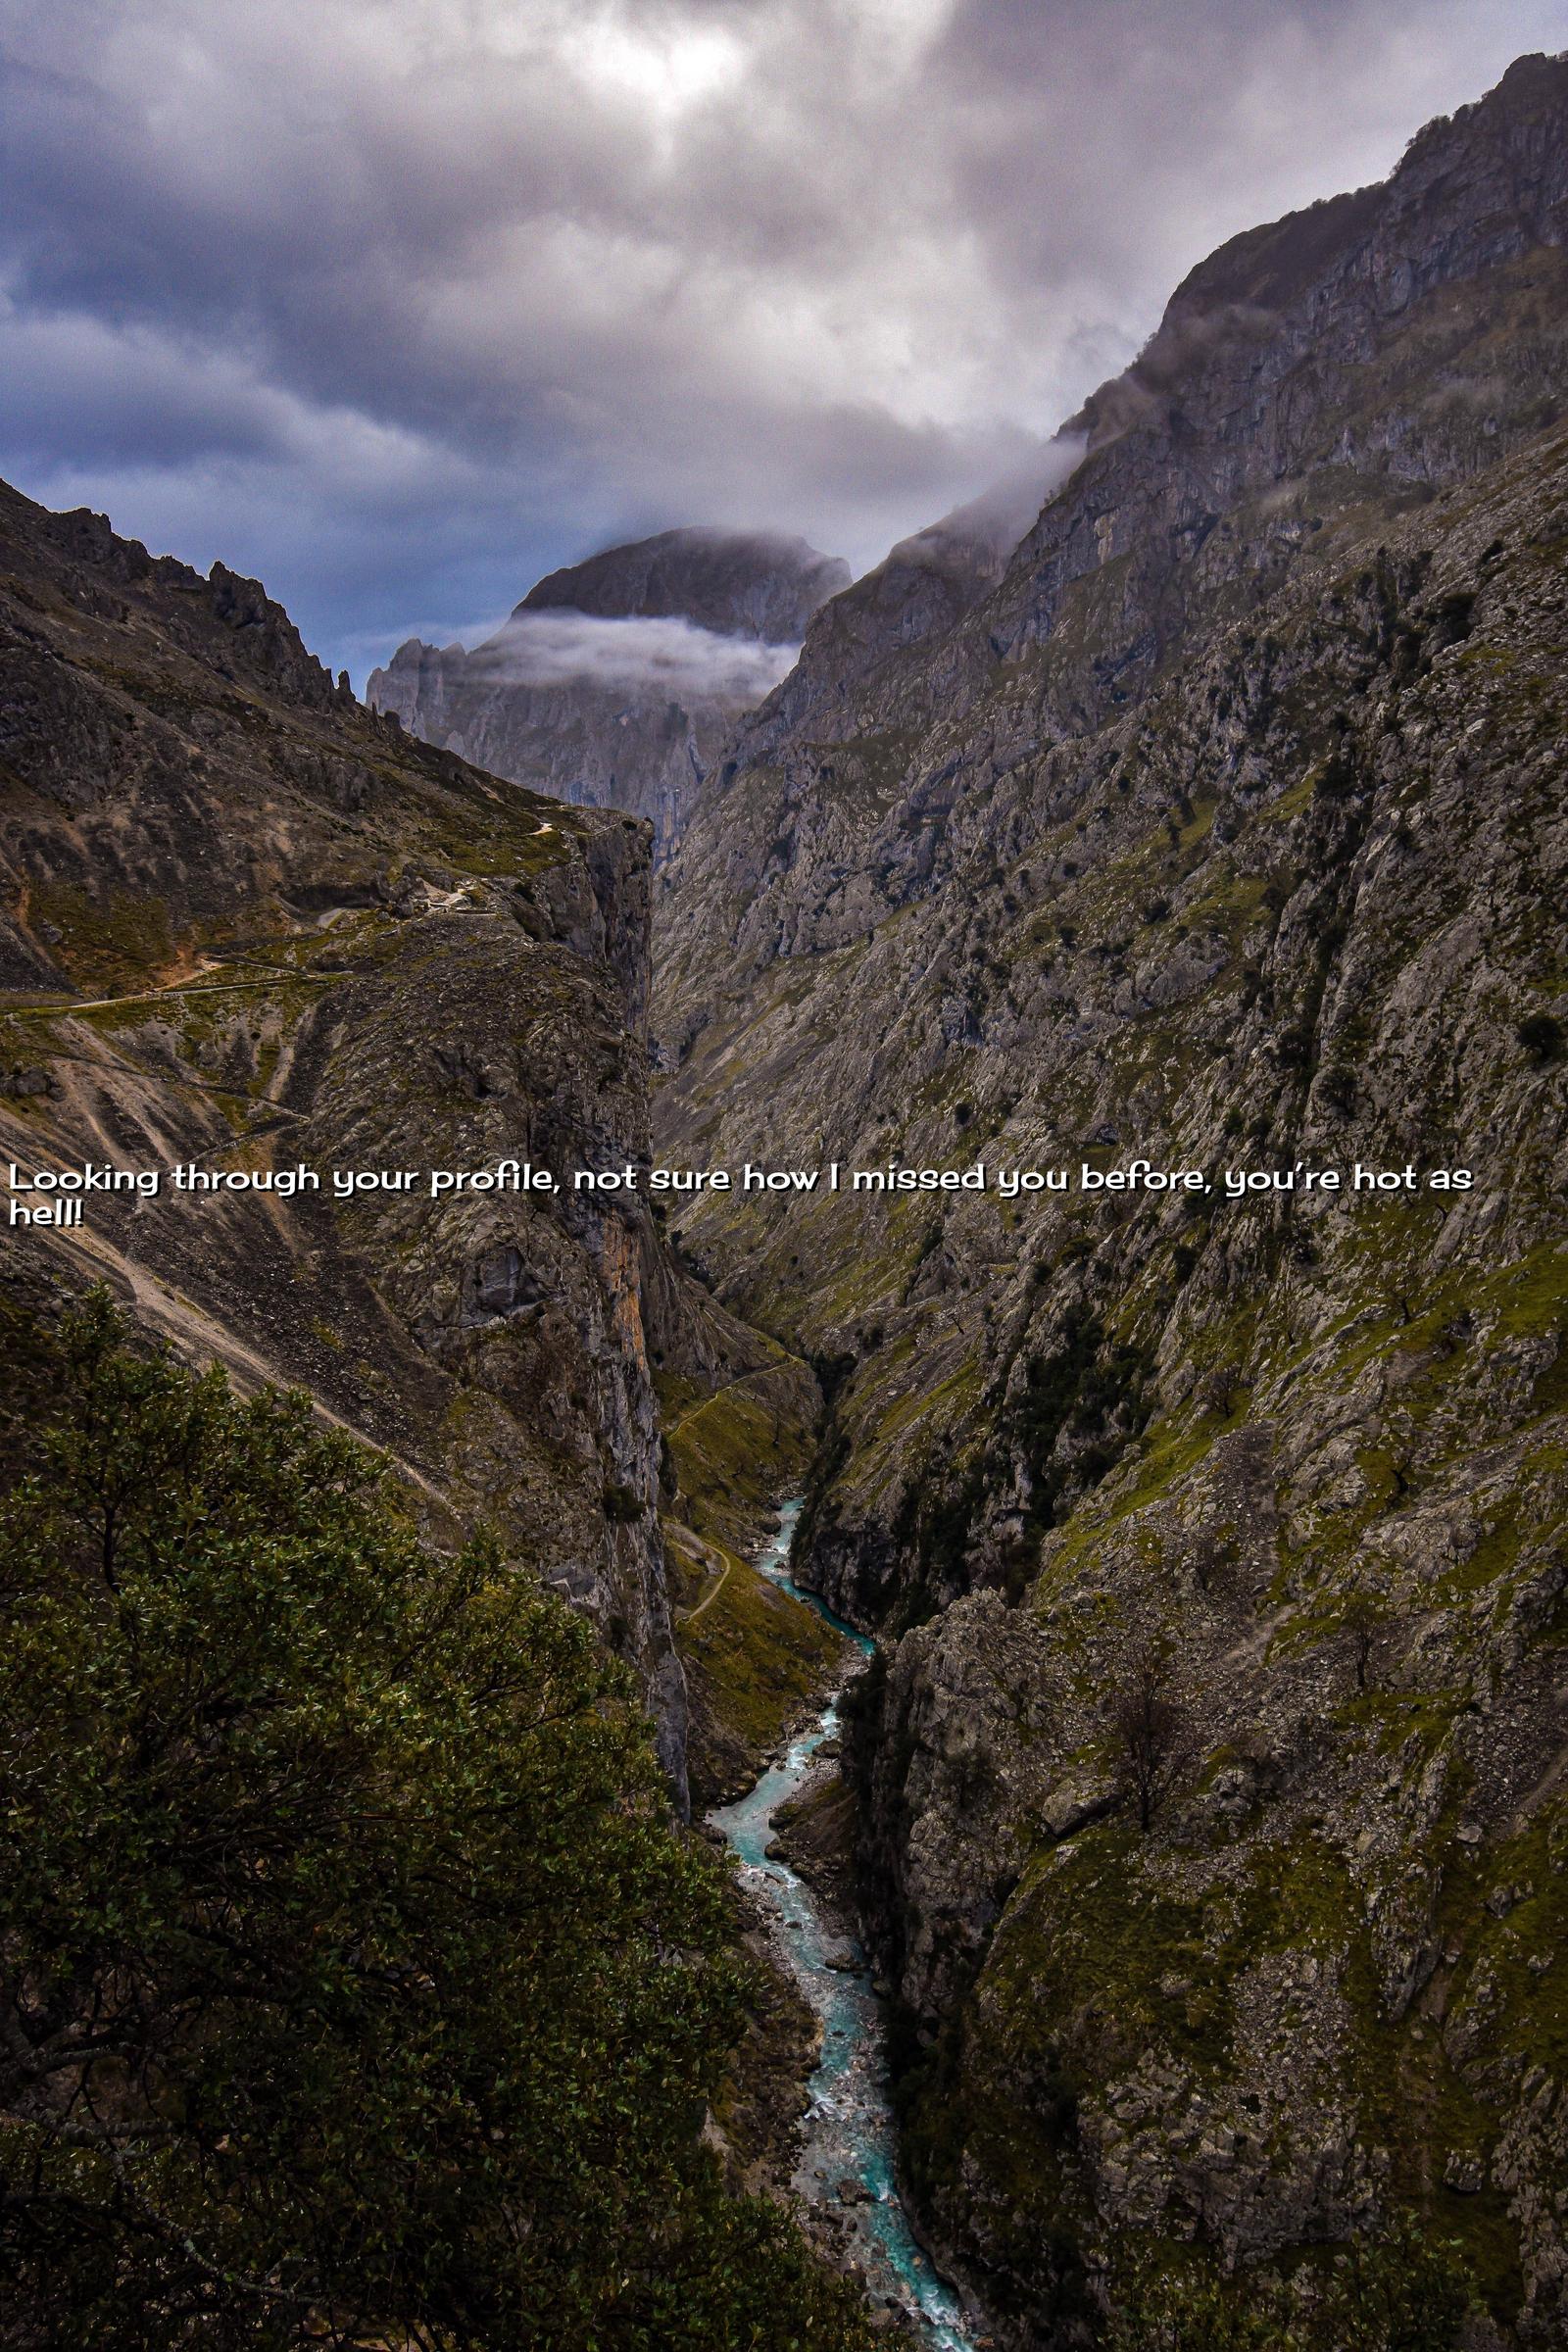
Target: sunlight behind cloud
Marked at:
665, 68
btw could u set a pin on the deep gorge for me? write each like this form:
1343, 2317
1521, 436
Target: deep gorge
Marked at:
1195, 1826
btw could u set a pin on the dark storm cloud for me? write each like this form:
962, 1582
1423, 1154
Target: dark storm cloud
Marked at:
401, 302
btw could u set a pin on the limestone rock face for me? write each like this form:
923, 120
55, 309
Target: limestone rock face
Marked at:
758, 584
1225, 828
248, 926
636, 741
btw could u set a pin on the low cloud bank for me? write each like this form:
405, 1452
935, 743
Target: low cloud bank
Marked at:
645, 657
1010, 508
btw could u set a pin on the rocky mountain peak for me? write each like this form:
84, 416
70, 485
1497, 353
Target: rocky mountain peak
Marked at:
1472, 191
758, 584
613, 717
96, 569
1343, 358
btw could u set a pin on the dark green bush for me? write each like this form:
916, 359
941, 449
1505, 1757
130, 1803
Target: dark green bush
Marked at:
355, 1986
1543, 1036
1397, 2289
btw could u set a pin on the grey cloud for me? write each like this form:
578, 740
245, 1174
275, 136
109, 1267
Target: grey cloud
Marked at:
402, 302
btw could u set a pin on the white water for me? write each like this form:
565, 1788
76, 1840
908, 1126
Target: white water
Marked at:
847, 2134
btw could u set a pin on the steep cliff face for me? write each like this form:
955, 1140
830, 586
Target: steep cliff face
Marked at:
856, 662
1215, 1810
1309, 379
630, 722
758, 584
1292, 1470
247, 926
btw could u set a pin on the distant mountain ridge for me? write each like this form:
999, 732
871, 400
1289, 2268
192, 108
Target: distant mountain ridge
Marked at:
761, 584
641, 743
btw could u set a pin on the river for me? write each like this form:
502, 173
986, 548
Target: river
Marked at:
848, 2133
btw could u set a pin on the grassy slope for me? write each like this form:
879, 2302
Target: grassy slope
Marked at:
755, 1659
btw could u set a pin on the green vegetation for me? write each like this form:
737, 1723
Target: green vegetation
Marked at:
109, 947
755, 1657
356, 1987
1105, 1956
733, 1452
1543, 1036
1401, 2292
1067, 1427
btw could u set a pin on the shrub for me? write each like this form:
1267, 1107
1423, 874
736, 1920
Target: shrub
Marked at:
1149, 1729
622, 1504
1398, 2290
1543, 1036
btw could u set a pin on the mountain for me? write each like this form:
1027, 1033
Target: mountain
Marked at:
283, 991
758, 584
1197, 839
247, 926
621, 718
1212, 1804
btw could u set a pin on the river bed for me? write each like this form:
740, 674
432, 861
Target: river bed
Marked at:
848, 2133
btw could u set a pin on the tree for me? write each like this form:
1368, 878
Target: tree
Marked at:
355, 1986
1399, 2289
1209, 1553
1148, 1725
1189, 2307
1363, 1621
1543, 1036
1217, 1388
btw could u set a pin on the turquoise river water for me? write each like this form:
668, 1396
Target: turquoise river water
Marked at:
848, 2136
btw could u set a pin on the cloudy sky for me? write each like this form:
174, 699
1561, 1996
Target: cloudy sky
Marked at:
401, 303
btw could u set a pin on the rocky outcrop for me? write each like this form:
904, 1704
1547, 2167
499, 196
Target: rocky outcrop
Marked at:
1213, 1774
758, 584
1339, 367
607, 726
250, 928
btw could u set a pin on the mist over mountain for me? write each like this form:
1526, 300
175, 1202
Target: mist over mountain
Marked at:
672, 656
615, 679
